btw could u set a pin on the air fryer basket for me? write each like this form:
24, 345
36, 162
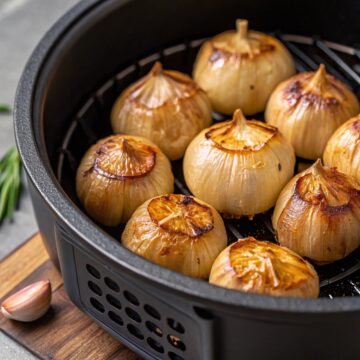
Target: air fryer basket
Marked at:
62, 107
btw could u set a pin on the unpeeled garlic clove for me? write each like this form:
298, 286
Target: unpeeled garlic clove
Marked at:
29, 303
308, 108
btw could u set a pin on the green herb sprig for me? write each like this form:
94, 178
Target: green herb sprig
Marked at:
4, 109
10, 183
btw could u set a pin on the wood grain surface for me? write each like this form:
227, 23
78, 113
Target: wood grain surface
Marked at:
64, 332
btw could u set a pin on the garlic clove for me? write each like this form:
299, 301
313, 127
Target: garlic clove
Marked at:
241, 68
264, 268
29, 303
179, 232
310, 103
343, 148
118, 174
165, 106
226, 164
317, 214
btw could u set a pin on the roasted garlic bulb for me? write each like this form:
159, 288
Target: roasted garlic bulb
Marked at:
240, 69
264, 268
118, 174
308, 108
343, 148
317, 214
166, 107
239, 166
179, 232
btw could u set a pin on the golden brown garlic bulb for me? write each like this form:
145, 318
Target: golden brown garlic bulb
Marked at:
166, 107
264, 268
179, 232
317, 214
239, 166
343, 148
119, 173
308, 108
240, 69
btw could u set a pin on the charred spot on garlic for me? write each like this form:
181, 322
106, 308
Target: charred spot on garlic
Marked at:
265, 268
343, 148
241, 68
165, 106
229, 162
307, 104
179, 232
319, 88
355, 124
119, 173
123, 158
181, 214
317, 214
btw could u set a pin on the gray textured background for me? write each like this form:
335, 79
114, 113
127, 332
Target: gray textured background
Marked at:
22, 24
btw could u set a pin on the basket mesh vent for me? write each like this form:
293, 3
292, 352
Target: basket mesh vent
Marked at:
136, 316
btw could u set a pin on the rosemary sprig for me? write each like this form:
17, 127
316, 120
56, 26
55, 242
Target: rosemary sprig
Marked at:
10, 183
4, 108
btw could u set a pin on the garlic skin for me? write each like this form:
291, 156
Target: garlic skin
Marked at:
239, 166
29, 303
343, 150
179, 232
317, 214
118, 174
165, 106
240, 69
264, 268
308, 108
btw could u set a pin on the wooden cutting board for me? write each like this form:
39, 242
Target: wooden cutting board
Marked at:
64, 332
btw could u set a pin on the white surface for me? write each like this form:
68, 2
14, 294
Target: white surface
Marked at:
22, 24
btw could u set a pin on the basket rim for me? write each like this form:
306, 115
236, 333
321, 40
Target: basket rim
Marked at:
42, 177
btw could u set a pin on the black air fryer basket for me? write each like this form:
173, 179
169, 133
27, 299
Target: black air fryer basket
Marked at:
62, 107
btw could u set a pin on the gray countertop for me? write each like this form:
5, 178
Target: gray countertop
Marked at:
22, 24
